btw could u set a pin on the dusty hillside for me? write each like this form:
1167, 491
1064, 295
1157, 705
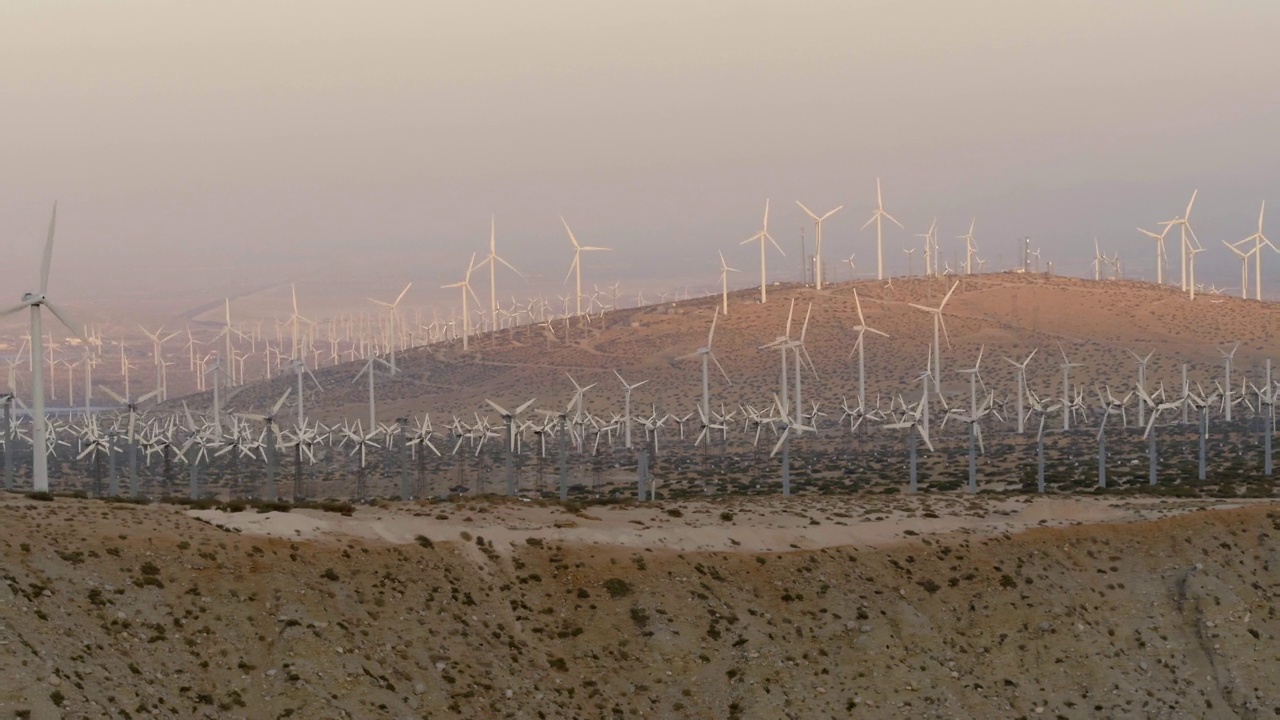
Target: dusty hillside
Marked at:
114, 610
1097, 323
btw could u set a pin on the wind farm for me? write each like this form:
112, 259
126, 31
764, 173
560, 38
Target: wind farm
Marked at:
925, 372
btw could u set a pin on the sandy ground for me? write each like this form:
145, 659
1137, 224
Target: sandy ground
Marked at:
756, 526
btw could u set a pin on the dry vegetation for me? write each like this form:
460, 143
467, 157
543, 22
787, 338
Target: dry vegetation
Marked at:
511, 609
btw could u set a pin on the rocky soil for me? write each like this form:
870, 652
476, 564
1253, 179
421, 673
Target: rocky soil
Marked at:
117, 610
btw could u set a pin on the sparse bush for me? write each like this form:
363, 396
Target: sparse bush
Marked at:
617, 587
329, 574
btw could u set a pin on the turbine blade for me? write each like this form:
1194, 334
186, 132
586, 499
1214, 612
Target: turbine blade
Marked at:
48, 251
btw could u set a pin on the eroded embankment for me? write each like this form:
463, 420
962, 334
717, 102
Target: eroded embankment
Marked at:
121, 611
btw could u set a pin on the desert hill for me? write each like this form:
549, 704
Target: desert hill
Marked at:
928, 607
1095, 323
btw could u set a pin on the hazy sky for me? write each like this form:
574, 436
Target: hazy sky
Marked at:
223, 145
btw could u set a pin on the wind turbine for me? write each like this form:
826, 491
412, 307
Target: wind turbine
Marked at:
626, 408
1109, 405
1066, 388
938, 324
1098, 259
466, 290
917, 419
157, 343
35, 301
132, 437
576, 265
1160, 257
1259, 240
817, 252
704, 353
1153, 457
1043, 410
1227, 358
860, 347
764, 236
493, 259
1022, 385
394, 309
784, 442
724, 286
508, 419
877, 218
1142, 383
271, 440
970, 250
369, 369
1244, 268
1184, 225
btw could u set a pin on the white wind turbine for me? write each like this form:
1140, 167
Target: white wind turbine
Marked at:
1160, 257
1184, 225
1259, 240
394, 309
1022, 385
784, 441
1244, 268
930, 256
508, 421
157, 345
938, 324
763, 236
493, 259
466, 290
704, 353
724, 287
576, 266
860, 347
817, 252
970, 249
369, 369
35, 301
877, 218
1098, 259
626, 408
295, 322
1066, 388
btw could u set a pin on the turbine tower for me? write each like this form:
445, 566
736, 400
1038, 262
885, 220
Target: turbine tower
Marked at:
1259, 240
1159, 251
859, 346
877, 218
817, 251
764, 236
1184, 225
394, 308
938, 324
493, 259
970, 250
724, 287
466, 290
36, 301
576, 265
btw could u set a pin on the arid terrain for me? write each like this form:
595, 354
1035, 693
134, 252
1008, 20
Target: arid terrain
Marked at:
866, 606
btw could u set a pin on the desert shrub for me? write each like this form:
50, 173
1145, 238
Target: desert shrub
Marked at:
617, 587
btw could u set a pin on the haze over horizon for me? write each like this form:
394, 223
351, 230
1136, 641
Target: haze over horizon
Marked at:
207, 149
